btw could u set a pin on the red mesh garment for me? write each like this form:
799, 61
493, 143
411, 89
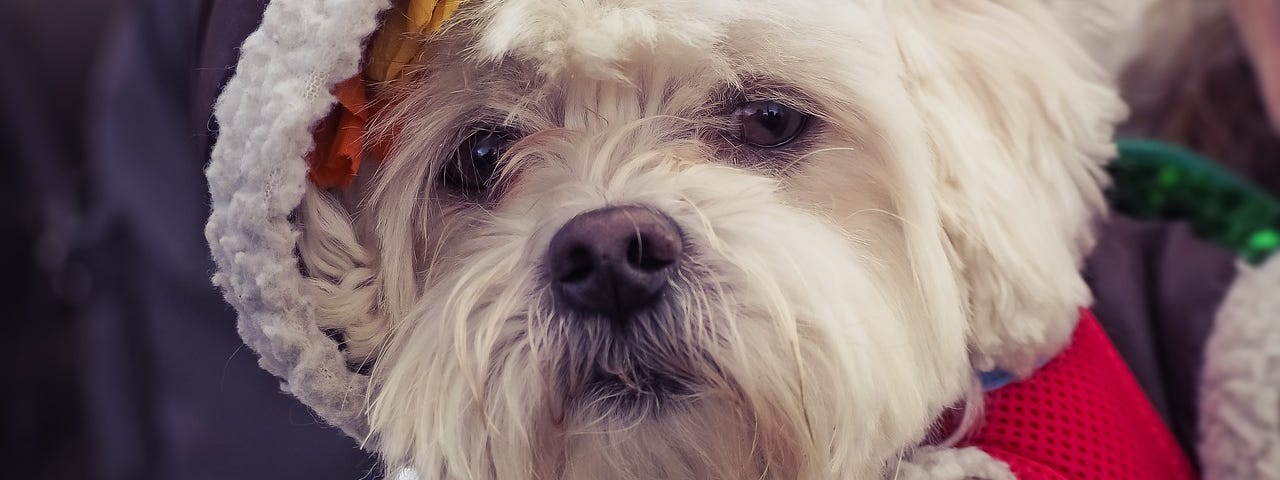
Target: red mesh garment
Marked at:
1081, 416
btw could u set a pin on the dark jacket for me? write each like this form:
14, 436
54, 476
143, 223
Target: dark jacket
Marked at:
172, 392
1157, 288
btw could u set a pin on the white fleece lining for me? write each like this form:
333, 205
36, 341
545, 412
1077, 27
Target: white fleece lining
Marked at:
1240, 383
940, 463
257, 176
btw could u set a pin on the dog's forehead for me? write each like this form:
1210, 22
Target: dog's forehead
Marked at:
606, 38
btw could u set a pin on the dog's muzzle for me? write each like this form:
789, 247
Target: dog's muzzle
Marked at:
609, 269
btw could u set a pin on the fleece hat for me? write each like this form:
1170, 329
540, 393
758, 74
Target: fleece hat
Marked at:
268, 114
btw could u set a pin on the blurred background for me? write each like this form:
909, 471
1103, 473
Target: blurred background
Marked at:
126, 361
127, 364
42, 129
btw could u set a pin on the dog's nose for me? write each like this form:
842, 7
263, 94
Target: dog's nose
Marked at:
614, 261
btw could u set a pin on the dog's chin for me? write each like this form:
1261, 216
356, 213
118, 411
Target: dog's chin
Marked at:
638, 392
705, 438
649, 405
664, 426
633, 375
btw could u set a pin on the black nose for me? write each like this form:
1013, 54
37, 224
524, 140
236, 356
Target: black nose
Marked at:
614, 261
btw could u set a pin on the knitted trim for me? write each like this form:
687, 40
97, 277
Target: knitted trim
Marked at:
257, 178
1240, 384
940, 463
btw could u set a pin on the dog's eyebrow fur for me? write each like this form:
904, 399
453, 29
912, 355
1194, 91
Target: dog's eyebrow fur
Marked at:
755, 88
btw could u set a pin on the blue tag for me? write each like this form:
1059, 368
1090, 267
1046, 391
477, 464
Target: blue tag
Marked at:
995, 379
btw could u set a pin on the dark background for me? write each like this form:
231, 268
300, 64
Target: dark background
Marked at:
48, 52
125, 363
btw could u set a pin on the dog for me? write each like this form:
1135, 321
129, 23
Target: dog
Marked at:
723, 239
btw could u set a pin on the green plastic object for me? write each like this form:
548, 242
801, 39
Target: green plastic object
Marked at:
1153, 180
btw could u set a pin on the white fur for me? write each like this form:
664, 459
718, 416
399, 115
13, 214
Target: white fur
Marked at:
837, 297
1020, 140
1114, 32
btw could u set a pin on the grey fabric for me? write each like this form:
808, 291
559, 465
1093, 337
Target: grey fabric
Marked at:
173, 393
1156, 290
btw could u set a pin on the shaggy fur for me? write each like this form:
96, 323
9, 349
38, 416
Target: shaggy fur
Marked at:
1114, 32
837, 293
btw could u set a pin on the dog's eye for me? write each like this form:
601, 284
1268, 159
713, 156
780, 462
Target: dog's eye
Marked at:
475, 164
768, 124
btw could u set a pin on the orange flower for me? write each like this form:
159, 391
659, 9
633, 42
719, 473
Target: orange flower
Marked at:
342, 138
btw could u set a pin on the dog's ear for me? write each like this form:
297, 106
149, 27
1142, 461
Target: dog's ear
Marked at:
345, 283
1020, 121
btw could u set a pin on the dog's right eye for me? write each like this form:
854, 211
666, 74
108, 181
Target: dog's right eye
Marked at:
769, 124
475, 164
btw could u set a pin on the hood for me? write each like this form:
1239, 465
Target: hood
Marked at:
257, 178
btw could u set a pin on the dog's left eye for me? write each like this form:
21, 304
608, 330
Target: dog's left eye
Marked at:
768, 124
475, 164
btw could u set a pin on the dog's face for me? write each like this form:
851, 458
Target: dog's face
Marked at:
714, 239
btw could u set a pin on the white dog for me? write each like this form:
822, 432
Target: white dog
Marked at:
714, 239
